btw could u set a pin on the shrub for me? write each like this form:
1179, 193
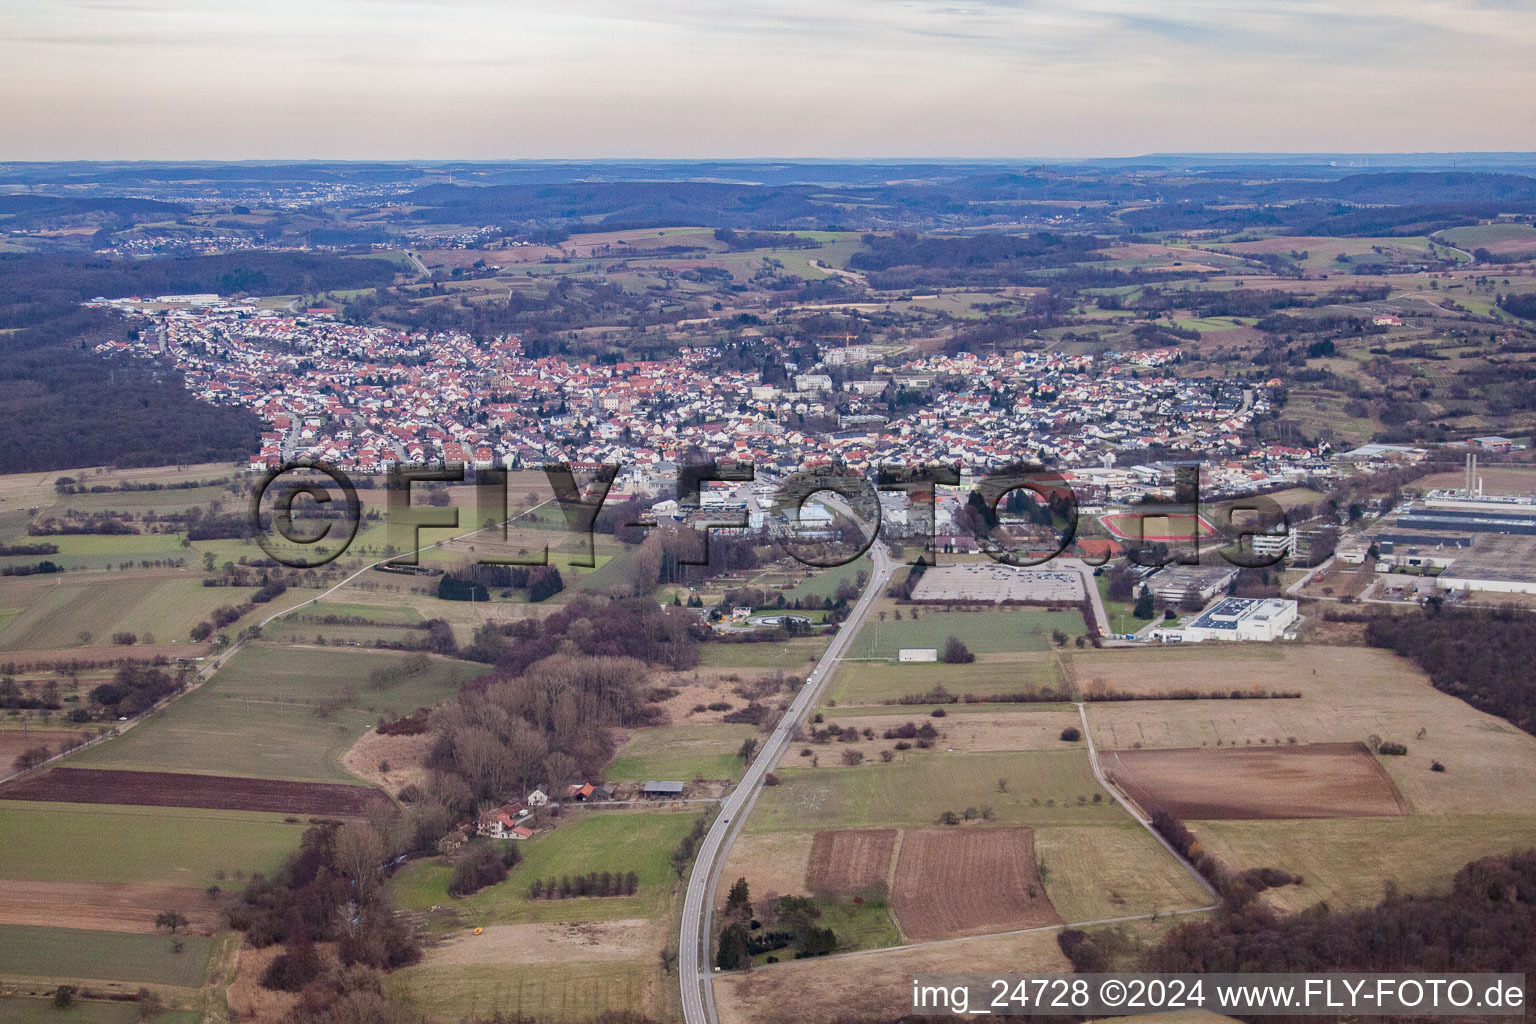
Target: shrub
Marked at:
1071, 734
1087, 956
296, 967
480, 867
956, 653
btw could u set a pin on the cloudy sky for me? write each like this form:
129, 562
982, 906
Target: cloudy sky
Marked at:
721, 78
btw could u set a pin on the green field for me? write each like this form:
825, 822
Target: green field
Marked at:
97, 551
867, 925
991, 631
173, 500
393, 623
563, 992
1043, 788
162, 607
598, 841
1490, 234
47, 842
825, 582
791, 656
277, 713
42, 1011
1207, 324
392, 614
870, 682
102, 956
681, 753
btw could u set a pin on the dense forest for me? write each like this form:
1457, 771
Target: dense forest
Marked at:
907, 260
140, 414
1479, 655
1523, 306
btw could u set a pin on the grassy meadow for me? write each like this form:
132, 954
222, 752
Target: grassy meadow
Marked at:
277, 712
47, 842
102, 956
597, 841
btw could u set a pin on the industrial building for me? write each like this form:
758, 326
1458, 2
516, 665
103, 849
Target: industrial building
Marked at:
1500, 564
1173, 583
1462, 540
1243, 618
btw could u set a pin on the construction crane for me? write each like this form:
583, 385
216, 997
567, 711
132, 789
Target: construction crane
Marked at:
847, 337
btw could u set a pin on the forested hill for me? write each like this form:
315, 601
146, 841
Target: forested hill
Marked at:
61, 406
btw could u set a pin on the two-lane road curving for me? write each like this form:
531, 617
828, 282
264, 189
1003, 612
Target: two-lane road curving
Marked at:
693, 966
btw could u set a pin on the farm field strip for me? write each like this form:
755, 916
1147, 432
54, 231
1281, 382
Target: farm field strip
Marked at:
175, 789
1333, 780
66, 953
275, 712
955, 882
1040, 788
850, 860
104, 906
988, 631
152, 845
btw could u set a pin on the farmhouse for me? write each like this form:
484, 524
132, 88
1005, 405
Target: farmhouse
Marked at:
504, 822
1243, 618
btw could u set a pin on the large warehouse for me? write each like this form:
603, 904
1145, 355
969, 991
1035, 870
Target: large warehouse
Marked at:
1243, 618
1173, 583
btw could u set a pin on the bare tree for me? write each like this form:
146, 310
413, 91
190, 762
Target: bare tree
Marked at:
360, 854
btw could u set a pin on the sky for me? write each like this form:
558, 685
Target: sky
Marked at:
510, 79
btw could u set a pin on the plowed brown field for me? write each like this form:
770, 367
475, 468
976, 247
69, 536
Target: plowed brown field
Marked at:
968, 881
850, 860
104, 905
1318, 780
14, 741
175, 789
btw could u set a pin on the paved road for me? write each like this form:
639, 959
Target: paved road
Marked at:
1294, 590
693, 967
